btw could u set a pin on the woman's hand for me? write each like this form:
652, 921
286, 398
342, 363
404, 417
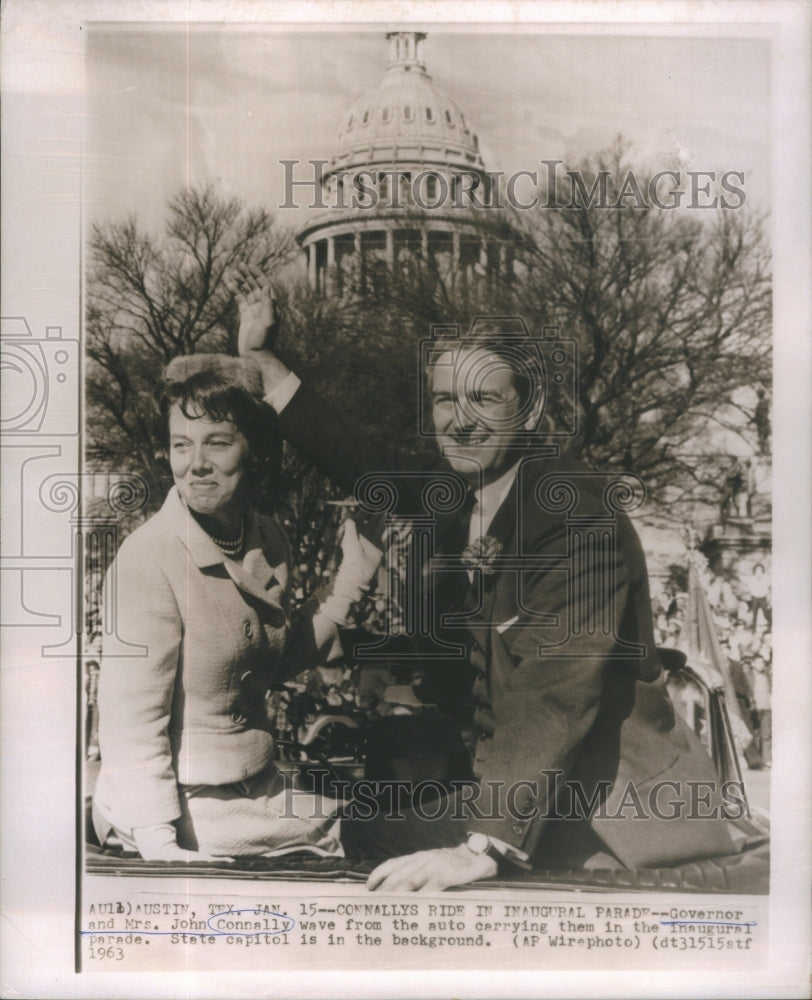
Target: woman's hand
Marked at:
160, 843
359, 563
259, 319
360, 559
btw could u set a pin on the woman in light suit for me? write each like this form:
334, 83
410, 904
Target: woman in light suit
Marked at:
201, 596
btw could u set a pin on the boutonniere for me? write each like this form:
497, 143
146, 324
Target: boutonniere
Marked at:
482, 554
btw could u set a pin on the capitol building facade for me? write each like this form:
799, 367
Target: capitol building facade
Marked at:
407, 186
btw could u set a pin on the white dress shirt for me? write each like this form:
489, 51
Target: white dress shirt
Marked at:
488, 501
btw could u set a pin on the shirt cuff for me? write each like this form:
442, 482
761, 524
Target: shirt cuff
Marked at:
282, 394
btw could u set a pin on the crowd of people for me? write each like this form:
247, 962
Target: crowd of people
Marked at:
742, 618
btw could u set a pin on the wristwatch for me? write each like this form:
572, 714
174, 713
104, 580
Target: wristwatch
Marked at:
481, 843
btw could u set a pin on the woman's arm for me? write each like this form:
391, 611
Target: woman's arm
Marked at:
136, 689
314, 638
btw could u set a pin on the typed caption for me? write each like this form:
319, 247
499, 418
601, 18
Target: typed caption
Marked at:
162, 930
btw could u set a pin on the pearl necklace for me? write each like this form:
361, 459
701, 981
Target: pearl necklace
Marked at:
234, 548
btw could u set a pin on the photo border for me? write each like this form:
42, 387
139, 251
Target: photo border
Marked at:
43, 257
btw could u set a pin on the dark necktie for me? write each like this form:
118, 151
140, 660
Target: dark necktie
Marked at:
451, 584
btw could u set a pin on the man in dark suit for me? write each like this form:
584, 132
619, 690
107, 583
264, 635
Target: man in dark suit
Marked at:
580, 758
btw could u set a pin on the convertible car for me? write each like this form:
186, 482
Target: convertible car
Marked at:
340, 747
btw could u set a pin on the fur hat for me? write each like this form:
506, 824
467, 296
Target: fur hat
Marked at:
239, 372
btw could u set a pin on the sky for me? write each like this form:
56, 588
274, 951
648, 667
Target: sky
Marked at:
165, 106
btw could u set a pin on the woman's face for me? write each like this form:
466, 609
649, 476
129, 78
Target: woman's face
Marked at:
209, 460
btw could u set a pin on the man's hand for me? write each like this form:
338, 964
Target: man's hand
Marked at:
432, 870
259, 323
259, 320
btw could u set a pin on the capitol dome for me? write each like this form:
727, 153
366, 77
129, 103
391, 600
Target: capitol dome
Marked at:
406, 186
406, 116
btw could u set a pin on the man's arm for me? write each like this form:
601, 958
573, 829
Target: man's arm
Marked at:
346, 452
335, 444
544, 706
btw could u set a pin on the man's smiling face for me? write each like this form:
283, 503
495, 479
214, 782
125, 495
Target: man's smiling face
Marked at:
478, 413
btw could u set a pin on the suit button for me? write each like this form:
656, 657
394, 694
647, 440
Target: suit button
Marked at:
518, 829
476, 648
246, 627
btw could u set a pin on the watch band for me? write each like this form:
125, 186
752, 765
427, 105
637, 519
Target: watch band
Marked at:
481, 843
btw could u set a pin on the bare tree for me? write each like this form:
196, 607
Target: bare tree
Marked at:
672, 312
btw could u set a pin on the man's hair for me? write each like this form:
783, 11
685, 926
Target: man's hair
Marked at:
518, 354
218, 398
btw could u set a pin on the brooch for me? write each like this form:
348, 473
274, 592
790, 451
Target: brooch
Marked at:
482, 554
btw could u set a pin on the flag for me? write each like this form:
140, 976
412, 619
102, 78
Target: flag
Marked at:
706, 657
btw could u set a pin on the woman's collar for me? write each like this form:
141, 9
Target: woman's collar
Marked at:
202, 548
255, 575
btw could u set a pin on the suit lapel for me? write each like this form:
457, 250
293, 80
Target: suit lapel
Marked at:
257, 576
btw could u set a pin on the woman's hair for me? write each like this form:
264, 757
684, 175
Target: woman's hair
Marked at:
214, 394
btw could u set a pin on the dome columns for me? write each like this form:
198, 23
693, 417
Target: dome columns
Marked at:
406, 49
352, 260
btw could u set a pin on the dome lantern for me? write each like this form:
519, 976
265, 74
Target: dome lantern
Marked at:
406, 50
